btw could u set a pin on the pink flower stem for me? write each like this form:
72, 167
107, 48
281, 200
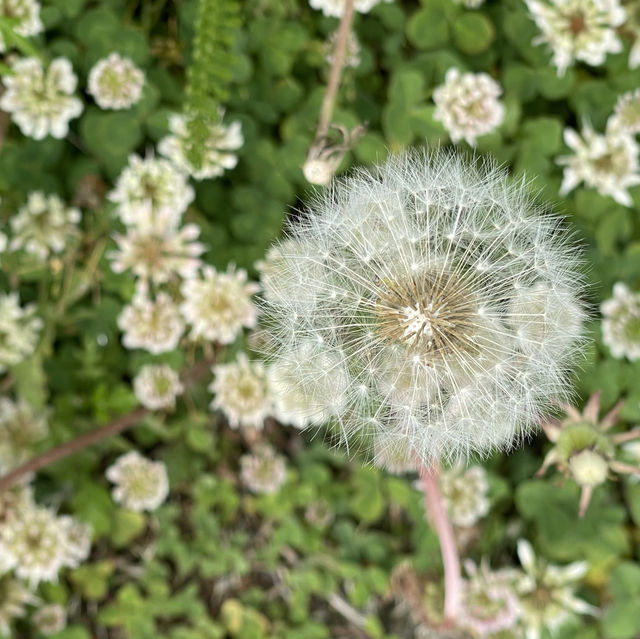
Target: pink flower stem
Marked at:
444, 530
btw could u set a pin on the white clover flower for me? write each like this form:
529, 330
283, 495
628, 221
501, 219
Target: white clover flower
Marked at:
155, 326
50, 619
467, 105
263, 471
218, 305
158, 256
621, 322
352, 53
626, 115
241, 392
41, 102
490, 601
20, 429
546, 593
412, 320
27, 14
309, 385
18, 330
14, 596
44, 225
151, 194
607, 163
157, 386
140, 484
578, 29
36, 539
465, 494
115, 82
334, 8
632, 26
218, 147
77, 540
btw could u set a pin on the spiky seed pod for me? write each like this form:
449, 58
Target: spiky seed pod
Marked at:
440, 298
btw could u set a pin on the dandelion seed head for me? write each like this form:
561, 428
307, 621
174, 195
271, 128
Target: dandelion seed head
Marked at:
437, 309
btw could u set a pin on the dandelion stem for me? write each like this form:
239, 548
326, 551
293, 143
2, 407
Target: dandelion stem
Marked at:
451, 562
91, 437
333, 83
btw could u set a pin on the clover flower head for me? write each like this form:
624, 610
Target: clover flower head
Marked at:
77, 544
626, 114
158, 256
491, 605
153, 325
241, 392
621, 322
27, 14
465, 494
151, 194
156, 386
578, 29
263, 471
335, 8
547, 593
19, 328
467, 105
41, 101
115, 82
50, 619
218, 305
219, 146
140, 484
437, 308
14, 596
632, 26
606, 162
20, 428
44, 225
36, 540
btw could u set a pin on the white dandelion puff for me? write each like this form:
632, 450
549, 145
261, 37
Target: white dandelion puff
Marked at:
438, 309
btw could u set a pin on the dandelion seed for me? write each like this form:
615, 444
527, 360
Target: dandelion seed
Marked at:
437, 309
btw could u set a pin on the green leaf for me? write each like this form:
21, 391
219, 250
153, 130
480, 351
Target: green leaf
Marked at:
473, 33
428, 28
110, 136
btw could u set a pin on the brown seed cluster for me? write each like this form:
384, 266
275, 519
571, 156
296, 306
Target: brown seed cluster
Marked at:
431, 313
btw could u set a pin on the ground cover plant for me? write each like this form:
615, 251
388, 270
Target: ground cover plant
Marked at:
319, 319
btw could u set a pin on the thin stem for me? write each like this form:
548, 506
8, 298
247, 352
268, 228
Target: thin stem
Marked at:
92, 437
326, 111
444, 530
